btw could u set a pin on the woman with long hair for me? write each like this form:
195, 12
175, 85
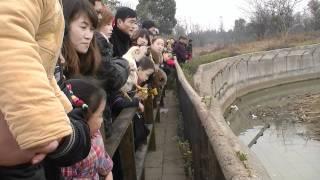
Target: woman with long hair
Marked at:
79, 45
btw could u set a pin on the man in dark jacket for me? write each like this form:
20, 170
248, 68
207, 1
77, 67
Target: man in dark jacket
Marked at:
125, 23
180, 49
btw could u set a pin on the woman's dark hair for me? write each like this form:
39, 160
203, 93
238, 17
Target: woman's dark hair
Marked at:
146, 63
183, 38
147, 24
93, 1
141, 33
85, 64
89, 91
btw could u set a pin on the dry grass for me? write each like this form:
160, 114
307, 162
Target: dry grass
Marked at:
262, 45
280, 42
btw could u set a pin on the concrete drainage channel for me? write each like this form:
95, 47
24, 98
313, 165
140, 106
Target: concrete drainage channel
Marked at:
290, 148
228, 79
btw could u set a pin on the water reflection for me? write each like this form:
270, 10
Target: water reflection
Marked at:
288, 149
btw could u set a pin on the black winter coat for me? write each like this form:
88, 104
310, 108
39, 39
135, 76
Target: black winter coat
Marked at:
121, 42
72, 149
118, 102
105, 47
180, 51
113, 72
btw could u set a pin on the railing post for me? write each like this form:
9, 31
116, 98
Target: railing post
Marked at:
157, 107
148, 110
204, 157
149, 117
127, 155
194, 135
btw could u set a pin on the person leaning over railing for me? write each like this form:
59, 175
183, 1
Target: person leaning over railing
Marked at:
119, 101
125, 96
112, 72
33, 119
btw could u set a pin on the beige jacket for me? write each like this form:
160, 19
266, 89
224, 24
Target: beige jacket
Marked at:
33, 107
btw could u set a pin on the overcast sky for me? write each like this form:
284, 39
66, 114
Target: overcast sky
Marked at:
208, 13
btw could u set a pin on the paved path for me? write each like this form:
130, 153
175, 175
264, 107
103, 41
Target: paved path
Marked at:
166, 162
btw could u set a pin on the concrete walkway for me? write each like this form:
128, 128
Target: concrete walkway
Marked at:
166, 162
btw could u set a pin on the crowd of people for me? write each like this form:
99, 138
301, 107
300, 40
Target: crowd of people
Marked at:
69, 66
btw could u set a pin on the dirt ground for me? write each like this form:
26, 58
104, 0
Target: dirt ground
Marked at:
301, 110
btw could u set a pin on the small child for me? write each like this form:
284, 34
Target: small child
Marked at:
90, 99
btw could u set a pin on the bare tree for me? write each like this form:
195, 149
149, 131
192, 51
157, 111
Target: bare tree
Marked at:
314, 7
180, 29
270, 17
240, 30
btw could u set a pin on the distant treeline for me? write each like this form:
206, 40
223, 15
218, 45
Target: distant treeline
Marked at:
268, 18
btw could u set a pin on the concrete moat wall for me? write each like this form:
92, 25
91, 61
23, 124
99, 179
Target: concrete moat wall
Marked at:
233, 77
223, 81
